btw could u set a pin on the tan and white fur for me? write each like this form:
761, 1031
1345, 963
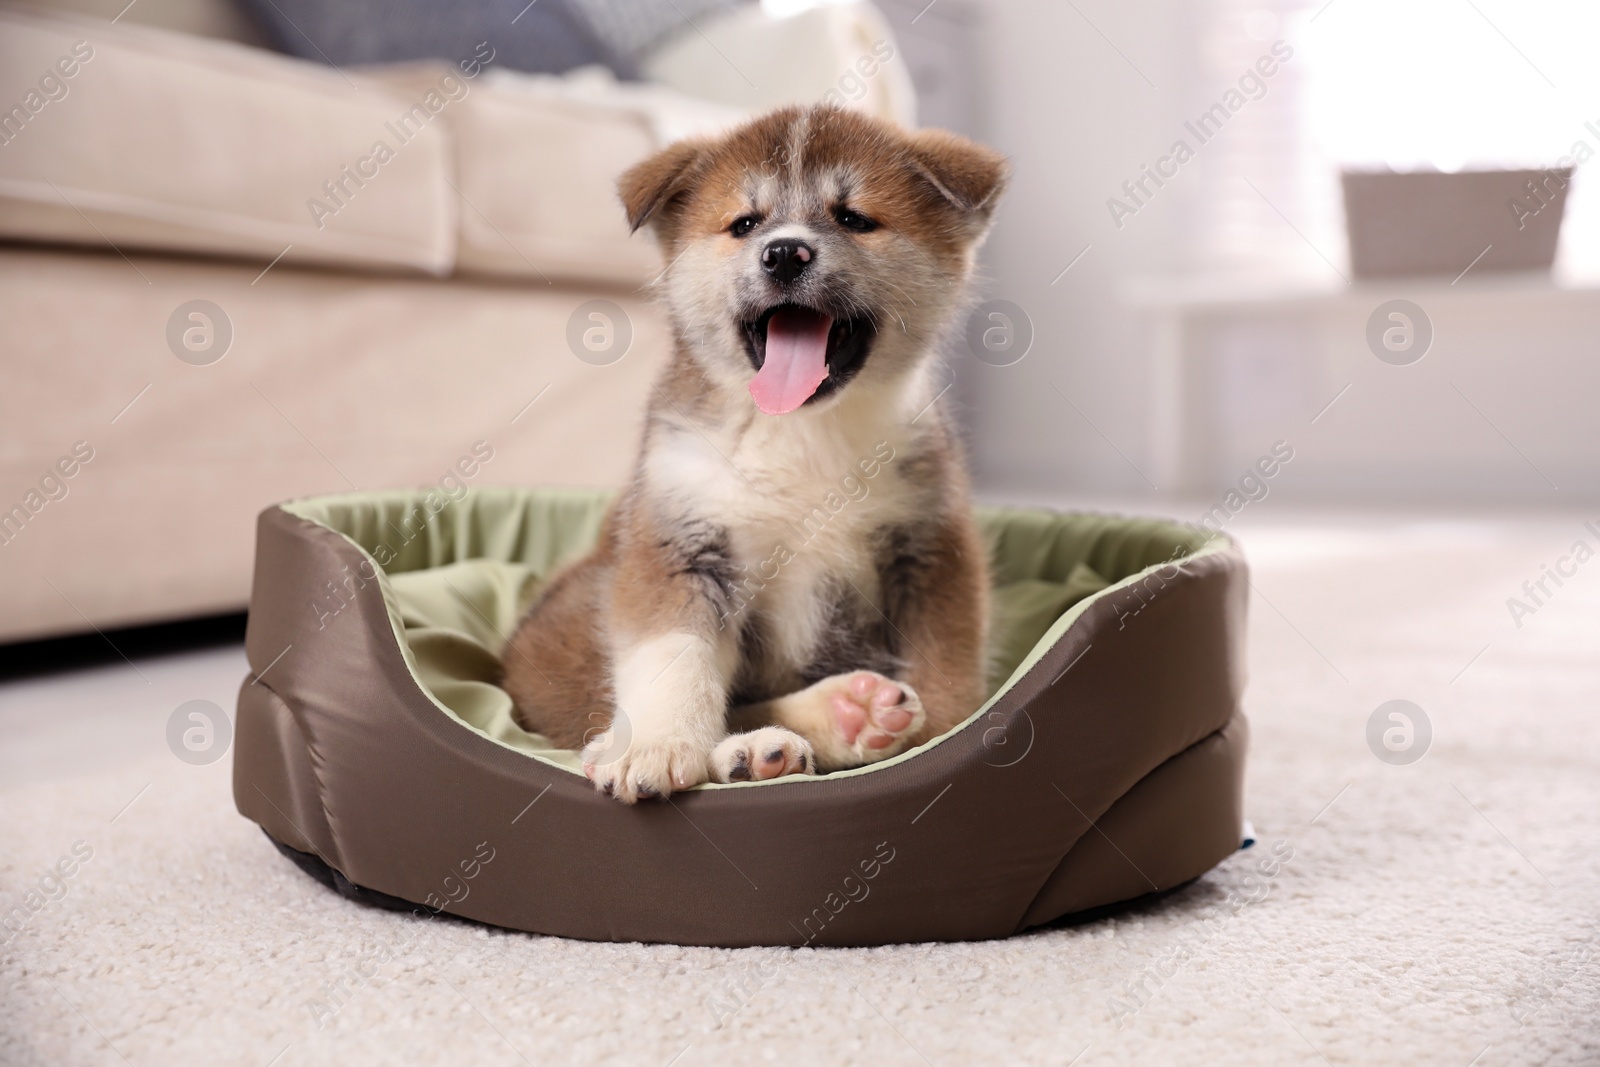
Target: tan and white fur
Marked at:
792, 581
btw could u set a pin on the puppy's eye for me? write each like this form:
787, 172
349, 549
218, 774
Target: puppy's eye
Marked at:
854, 220
743, 225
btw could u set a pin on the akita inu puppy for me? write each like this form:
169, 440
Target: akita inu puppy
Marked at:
795, 558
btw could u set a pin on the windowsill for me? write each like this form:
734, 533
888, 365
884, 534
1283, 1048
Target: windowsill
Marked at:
1245, 289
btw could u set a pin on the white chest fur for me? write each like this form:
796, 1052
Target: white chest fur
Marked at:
801, 500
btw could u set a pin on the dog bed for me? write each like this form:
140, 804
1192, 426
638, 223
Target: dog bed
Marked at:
374, 747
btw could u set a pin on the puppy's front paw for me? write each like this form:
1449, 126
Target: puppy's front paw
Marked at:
770, 752
643, 770
872, 718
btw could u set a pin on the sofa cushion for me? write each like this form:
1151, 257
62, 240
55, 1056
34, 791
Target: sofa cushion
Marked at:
165, 141
537, 162
136, 137
169, 142
838, 53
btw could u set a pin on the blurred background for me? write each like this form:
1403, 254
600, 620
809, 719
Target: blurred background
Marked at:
258, 249
255, 249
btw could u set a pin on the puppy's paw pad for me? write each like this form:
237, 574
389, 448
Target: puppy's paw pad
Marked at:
770, 752
874, 715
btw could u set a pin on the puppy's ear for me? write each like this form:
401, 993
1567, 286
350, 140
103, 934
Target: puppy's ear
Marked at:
967, 175
648, 188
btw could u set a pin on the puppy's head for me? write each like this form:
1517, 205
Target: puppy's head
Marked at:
813, 247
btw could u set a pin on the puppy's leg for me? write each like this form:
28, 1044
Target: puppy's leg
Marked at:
846, 720
671, 708
934, 584
555, 665
674, 653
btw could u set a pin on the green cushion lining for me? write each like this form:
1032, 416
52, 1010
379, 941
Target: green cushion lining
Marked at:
457, 575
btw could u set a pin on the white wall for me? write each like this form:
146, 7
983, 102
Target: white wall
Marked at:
1078, 119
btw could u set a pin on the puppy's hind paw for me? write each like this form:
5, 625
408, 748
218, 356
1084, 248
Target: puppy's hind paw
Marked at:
770, 752
874, 717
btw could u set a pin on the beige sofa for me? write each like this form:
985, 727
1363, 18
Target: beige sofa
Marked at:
373, 316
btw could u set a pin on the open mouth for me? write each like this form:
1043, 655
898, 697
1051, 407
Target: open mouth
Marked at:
801, 354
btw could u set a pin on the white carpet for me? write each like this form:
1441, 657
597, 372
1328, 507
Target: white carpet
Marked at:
1438, 913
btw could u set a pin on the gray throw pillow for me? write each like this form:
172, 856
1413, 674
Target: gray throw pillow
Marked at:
545, 36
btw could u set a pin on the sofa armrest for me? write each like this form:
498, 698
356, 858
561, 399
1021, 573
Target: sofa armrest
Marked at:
746, 58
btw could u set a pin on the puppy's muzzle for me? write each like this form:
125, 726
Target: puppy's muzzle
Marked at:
785, 261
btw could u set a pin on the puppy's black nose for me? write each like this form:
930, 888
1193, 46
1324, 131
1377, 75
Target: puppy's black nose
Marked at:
787, 260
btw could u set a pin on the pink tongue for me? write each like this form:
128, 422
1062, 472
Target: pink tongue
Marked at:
796, 361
